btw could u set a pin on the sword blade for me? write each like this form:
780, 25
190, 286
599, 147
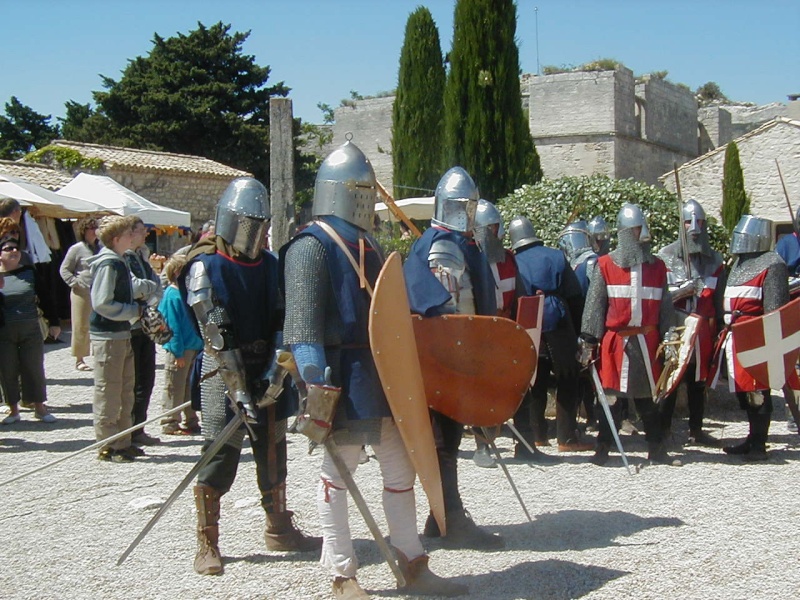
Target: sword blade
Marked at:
361, 504
99, 444
601, 397
502, 464
223, 437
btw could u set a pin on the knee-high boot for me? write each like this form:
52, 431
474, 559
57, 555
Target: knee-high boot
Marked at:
281, 534
208, 560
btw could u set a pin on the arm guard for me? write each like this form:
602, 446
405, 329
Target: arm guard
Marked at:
448, 265
220, 342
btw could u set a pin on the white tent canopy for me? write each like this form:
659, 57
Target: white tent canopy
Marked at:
414, 208
47, 203
119, 199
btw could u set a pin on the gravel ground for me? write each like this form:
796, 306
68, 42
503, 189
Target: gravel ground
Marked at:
715, 528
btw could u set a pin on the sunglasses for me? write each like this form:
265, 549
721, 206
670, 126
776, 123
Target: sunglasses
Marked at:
9, 249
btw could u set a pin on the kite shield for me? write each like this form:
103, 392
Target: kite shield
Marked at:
767, 347
530, 310
476, 369
394, 349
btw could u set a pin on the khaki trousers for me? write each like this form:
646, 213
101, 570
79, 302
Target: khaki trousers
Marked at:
113, 390
80, 310
176, 388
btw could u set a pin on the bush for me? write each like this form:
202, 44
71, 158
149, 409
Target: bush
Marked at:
553, 203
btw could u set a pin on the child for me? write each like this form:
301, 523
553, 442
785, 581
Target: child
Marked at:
181, 351
113, 309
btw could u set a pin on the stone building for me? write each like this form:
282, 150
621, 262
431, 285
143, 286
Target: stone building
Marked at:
778, 139
583, 123
190, 183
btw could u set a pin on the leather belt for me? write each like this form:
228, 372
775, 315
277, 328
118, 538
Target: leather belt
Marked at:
629, 331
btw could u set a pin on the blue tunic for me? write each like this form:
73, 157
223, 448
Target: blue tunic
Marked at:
789, 249
361, 386
541, 269
426, 295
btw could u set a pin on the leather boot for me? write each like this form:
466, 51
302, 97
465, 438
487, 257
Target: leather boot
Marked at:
462, 532
420, 581
347, 588
657, 454
281, 535
600, 456
208, 560
698, 437
742, 448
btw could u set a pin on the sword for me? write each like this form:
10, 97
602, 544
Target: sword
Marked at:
601, 397
349, 482
212, 450
502, 464
99, 444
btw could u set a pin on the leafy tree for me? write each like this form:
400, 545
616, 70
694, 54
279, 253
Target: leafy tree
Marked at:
734, 198
192, 94
710, 92
485, 129
553, 203
23, 130
418, 113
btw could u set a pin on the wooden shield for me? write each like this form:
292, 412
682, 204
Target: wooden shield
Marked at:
530, 311
672, 374
394, 349
476, 369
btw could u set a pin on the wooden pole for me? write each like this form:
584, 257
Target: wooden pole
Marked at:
396, 211
281, 167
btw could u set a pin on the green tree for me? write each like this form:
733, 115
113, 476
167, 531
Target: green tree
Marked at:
418, 114
192, 94
734, 198
710, 92
486, 130
23, 130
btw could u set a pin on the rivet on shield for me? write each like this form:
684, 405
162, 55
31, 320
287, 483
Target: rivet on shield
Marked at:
458, 343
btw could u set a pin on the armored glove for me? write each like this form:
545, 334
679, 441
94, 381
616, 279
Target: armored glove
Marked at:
587, 350
317, 411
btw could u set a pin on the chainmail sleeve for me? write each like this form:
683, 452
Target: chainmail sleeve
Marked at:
595, 307
311, 314
776, 286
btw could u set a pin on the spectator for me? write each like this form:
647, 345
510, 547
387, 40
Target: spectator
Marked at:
21, 344
113, 307
75, 273
181, 350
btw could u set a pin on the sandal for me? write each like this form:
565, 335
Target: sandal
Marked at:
82, 366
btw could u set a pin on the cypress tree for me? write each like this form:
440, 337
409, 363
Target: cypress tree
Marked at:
486, 129
418, 115
734, 199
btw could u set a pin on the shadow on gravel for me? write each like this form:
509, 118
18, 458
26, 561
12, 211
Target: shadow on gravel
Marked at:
265, 559
77, 381
579, 530
540, 580
60, 446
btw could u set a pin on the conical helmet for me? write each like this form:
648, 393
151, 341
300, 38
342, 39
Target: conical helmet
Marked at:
456, 201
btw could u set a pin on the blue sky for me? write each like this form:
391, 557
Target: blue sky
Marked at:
55, 50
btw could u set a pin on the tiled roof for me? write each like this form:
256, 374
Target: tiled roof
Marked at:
42, 175
150, 160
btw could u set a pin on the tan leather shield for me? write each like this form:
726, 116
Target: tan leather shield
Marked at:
394, 349
476, 369
677, 360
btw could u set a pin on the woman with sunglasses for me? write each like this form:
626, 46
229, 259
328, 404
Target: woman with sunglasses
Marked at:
75, 273
21, 344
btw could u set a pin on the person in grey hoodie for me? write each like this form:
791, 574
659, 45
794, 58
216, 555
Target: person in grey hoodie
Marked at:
113, 309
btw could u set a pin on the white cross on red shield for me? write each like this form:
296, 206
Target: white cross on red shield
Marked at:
768, 346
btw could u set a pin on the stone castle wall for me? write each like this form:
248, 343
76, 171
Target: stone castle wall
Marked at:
588, 122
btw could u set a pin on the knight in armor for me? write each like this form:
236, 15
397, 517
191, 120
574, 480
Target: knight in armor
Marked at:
329, 270
489, 234
546, 270
599, 235
232, 286
698, 291
628, 311
788, 247
446, 273
757, 284
579, 249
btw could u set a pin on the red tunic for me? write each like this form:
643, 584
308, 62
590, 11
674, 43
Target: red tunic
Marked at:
707, 328
747, 299
634, 305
